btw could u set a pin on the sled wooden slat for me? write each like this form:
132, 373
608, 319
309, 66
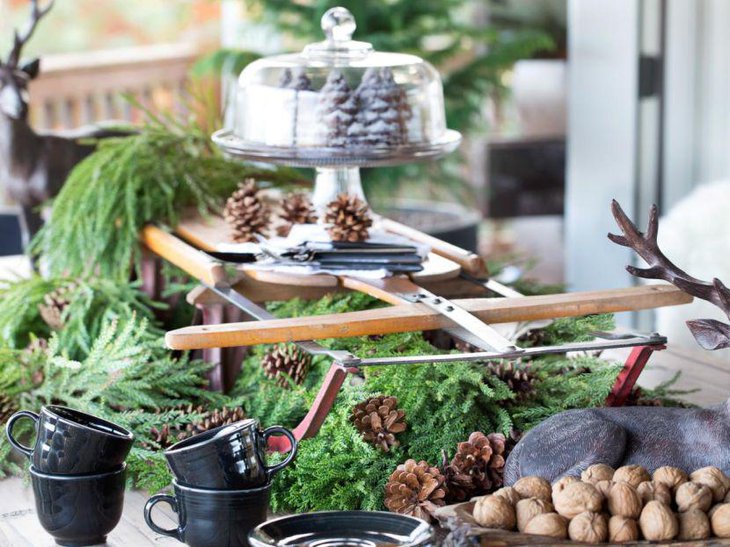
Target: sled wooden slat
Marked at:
417, 317
470, 262
182, 255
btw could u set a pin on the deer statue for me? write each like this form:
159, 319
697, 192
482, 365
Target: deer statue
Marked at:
688, 438
34, 166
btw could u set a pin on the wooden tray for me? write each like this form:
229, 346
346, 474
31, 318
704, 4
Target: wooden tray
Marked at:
491, 537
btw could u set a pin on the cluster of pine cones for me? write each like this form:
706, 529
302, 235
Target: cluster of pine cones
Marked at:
348, 217
418, 488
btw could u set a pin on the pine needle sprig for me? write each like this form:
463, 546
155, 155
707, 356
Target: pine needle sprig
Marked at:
92, 303
150, 176
115, 373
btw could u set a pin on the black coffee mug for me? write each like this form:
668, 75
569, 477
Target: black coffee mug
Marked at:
79, 510
70, 442
212, 518
231, 456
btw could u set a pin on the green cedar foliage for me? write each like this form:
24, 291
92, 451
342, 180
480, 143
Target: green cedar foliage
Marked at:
92, 303
126, 375
443, 404
150, 176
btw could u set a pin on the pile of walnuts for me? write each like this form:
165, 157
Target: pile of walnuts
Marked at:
621, 505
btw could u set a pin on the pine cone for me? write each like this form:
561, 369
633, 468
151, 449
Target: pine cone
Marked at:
54, 304
518, 377
476, 468
166, 436
379, 420
532, 338
348, 218
246, 213
415, 489
214, 418
296, 208
7, 408
284, 362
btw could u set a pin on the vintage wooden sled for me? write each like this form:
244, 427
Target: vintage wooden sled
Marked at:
448, 294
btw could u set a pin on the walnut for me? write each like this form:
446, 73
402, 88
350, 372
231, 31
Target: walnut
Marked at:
494, 512
633, 474
529, 508
671, 476
533, 487
720, 520
576, 498
714, 479
597, 472
548, 524
624, 501
657, 522
508, 493
604, 486
649, 491
693, 524
588, 527
691, 495
622, 529
560, 484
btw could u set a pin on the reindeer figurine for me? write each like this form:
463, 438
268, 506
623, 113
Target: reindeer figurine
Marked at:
33, 166
569, 442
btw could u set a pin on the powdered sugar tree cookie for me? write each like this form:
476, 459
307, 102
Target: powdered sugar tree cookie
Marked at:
383, 111
336, 109
297, 82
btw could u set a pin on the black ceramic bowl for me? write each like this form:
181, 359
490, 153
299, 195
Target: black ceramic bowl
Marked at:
343, 528
70, 442
79, 510
212, 518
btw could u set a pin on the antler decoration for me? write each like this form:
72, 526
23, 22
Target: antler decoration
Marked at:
710, 334
36, 14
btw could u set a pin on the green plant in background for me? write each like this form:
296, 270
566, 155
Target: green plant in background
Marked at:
471, 56
548, 15
151, 176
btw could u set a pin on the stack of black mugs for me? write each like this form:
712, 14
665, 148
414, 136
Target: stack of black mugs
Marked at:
78, 472
221, 485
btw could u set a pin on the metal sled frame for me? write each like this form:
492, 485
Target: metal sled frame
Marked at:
224, 287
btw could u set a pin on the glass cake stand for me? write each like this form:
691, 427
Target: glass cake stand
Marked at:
338, 106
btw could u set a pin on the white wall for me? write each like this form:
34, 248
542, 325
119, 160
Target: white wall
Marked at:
602, 137
697, 137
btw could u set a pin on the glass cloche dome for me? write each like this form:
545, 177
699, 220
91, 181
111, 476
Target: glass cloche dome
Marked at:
339, 102
338, 105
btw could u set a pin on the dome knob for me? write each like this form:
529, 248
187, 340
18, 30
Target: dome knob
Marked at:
338, 24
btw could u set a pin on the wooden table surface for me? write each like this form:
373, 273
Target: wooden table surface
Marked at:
19, 526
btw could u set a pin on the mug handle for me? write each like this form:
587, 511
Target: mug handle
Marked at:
154, 500
28, 451
268, 432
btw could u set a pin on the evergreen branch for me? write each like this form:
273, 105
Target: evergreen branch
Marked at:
150, 176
